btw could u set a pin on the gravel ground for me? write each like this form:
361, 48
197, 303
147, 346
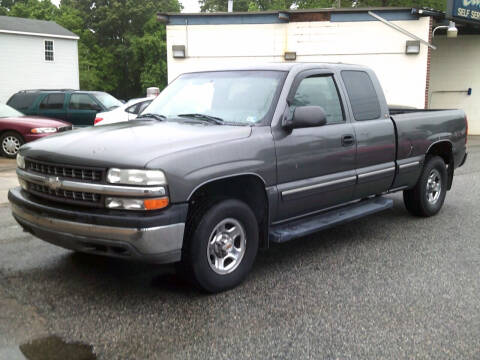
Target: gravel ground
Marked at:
387, 286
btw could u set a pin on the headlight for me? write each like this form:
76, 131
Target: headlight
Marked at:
45, 130
136, 177
136, 204
20, 161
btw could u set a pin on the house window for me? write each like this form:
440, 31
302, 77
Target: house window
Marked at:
49, 50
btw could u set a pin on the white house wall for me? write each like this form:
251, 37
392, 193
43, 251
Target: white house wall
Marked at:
454, 69
371, 43
23, 65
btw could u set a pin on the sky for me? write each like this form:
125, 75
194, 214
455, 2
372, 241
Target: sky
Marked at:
189, 6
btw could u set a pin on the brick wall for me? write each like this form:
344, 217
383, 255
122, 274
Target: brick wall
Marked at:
429, 57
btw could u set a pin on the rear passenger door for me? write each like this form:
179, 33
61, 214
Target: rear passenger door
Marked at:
315, 165
374, 132
53, 105
82, 109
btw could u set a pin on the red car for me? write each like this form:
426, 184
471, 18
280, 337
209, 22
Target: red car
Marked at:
17, 129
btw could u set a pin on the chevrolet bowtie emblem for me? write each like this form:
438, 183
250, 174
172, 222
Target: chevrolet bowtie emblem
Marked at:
54, 183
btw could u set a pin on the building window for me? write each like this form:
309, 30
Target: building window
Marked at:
49, 50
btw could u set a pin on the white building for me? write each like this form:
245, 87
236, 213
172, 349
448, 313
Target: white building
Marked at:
374, 37
36, 54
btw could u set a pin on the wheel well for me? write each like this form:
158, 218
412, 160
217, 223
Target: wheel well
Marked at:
445, 151
13, 131
247, 188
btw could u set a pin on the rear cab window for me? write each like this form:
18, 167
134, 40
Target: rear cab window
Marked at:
362, 95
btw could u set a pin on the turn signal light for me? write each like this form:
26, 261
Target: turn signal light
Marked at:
155, 204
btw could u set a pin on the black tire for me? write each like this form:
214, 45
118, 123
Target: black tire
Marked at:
12, 136
196, 264
419, 201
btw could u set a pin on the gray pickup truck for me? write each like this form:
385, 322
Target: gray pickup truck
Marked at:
224, 162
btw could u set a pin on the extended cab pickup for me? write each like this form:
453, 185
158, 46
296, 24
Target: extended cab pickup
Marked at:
224, 162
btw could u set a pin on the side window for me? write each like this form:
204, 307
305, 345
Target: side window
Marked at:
49, 56
320, 91
143, 105
132, 109
362, 94
52, 102
83, 102
22, 101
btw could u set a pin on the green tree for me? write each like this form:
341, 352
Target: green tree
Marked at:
125, 39
122, 48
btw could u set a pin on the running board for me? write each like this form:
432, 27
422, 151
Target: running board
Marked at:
285, 232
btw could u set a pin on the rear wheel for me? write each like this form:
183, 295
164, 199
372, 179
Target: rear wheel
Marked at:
427, 197
221, 246
10, 143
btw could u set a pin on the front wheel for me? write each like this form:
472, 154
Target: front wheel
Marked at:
10, 143
221, 246
427, 197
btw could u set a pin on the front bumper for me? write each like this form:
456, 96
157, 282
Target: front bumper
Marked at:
156, 238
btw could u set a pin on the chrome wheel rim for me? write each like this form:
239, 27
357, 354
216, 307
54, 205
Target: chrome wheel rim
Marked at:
226, 246
434, 186
11, 145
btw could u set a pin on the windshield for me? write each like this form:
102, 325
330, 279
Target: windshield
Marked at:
243, 97
7, 111
107, 100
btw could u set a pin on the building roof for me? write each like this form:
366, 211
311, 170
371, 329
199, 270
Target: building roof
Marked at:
284, 16
22, 26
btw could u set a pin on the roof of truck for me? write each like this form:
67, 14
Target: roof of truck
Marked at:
286, 66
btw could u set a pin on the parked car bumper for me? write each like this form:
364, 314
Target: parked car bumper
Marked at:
156, 238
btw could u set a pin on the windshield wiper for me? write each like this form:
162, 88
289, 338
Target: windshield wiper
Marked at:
209, 118
152, 116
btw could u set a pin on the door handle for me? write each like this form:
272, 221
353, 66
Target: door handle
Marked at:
348, 140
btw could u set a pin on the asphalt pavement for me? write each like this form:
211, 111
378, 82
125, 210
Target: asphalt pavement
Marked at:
389, 286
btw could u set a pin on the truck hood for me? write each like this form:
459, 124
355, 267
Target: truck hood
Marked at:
129, 144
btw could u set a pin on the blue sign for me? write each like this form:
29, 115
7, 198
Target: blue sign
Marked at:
466, 9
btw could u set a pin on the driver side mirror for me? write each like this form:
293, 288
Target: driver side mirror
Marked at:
306, 116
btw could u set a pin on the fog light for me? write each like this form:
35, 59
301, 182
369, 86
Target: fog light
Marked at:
23, 184
136, 204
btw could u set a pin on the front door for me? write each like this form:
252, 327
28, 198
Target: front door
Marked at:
82, 109
316, 165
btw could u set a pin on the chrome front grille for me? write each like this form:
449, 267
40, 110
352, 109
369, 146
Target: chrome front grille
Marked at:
78, 197
69, 172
